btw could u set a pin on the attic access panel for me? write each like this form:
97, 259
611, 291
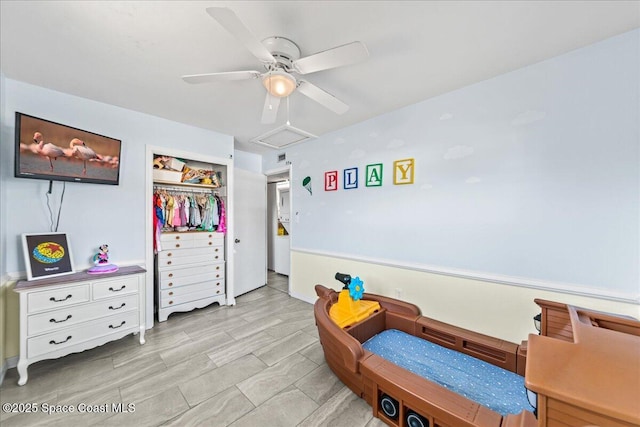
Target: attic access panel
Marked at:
282, 137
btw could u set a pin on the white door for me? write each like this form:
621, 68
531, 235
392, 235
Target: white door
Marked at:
250, 228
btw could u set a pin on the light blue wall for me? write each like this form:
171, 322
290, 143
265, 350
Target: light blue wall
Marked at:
247, 161
533, 174
92, 214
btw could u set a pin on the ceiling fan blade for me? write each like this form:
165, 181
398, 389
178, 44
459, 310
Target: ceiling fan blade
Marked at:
230, 21
321, 97
347, 54
219, 77
270, 110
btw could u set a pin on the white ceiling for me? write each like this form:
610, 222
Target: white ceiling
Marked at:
132, 54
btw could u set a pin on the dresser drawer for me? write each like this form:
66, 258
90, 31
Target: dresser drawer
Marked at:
200, 259
70, 336
172, 241
215, 287
181, 257
175, 237
56, 298
111, 288
193, 296
176, 273
190, 280
178, 244
208, 239
64, 317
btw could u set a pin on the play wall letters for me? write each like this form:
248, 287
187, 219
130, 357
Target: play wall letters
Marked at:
403, 173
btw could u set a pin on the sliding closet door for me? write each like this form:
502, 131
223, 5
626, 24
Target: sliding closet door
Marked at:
250, 225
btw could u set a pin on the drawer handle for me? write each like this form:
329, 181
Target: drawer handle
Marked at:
169, 254
170, 293
177, 245
216, 257
210, 235
168, 262
177, 237
119, 326
170, 284
60, 300
170, 302
117, 290
117, 308
60, 321
210, 243
216, 250
218, 291
217, 275
61, 342
170, 274
218, 267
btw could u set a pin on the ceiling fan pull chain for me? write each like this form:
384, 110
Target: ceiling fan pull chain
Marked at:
288, 123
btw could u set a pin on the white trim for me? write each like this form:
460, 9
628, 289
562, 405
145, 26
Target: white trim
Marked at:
565, 288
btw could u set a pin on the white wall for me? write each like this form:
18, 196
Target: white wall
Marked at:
247, 161
92, 214
526, 185
531, 176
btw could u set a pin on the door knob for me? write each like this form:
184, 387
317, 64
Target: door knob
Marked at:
237, 240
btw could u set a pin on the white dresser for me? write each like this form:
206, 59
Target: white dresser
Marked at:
190, 271
71, 313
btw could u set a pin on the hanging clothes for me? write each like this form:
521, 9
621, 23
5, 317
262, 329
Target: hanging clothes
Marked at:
185, 210
222, 225
158, 222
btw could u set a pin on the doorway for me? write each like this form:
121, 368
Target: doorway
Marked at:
279, 226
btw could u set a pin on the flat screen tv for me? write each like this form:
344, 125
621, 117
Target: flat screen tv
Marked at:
56, 152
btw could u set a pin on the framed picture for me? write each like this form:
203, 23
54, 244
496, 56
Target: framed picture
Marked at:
47, 255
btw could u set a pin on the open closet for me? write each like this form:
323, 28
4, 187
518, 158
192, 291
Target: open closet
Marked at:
191, 232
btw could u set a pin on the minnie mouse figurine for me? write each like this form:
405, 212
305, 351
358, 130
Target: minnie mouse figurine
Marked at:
101, 262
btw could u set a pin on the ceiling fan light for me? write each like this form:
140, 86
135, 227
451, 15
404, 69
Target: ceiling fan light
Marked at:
278, 83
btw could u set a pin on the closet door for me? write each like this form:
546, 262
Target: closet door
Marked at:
250, 228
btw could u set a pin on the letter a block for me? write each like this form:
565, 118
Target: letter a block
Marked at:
373, 177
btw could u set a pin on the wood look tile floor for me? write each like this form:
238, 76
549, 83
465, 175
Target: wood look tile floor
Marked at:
258, 363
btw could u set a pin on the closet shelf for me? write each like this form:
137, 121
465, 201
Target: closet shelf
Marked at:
182, 186
186, 184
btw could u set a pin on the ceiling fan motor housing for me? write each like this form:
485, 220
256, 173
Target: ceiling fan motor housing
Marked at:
283, 50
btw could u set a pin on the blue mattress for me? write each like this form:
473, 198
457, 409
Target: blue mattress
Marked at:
500, 390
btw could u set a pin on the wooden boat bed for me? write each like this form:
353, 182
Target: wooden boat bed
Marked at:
377, 380
599, 387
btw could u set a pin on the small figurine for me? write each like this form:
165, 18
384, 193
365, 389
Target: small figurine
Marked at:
101, 262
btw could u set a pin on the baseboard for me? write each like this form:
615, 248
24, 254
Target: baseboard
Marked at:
302, 297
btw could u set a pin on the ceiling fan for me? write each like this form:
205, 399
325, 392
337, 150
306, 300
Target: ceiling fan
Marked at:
281, 58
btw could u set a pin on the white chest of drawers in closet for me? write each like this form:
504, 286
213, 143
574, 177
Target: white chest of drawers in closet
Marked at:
76, 312
190, 272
